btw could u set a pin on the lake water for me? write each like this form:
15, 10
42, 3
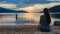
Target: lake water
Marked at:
24, 18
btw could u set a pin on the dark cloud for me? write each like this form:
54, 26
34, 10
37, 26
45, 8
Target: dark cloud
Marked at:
24, 2
21, 3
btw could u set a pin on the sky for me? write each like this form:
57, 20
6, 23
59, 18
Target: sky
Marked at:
29, 6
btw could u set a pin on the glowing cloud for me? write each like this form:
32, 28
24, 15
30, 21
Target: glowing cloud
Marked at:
7, 5
39, 7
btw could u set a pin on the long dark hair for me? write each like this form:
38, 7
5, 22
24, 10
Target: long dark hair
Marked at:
47, 15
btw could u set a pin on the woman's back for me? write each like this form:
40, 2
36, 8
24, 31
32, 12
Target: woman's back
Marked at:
44, 21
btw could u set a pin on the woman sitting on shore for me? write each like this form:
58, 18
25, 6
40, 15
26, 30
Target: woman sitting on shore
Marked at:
45, 20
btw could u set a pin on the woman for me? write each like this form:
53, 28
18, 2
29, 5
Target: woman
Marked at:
47, 15
44, 21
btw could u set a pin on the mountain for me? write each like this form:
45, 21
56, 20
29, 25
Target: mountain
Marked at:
55, 9
5, 10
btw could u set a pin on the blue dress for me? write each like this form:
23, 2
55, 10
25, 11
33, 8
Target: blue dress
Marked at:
43, 25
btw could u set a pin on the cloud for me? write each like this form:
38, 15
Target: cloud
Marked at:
33, 8
38, 7
52, 4
5, 5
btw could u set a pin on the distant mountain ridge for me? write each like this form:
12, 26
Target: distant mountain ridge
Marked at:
5, 10
55, 9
